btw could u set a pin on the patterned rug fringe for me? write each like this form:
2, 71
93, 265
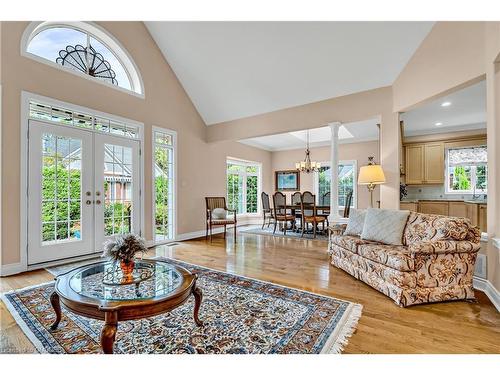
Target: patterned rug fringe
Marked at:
338, 340
20, 322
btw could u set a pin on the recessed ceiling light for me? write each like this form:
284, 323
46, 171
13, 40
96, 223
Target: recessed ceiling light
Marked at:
438, 123
445, 104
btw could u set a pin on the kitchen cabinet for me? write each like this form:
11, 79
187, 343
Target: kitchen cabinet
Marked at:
457, 209
425, 163
433, 207
482, 218
472, 212
410, 206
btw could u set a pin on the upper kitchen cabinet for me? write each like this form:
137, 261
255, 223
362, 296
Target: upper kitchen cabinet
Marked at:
425, 163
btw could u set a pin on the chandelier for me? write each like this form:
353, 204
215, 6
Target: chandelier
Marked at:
307, 165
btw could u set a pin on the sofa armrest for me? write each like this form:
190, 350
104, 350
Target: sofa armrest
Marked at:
337, 229
443, 247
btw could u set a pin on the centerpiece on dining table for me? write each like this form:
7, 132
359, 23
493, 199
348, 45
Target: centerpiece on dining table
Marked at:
122, 250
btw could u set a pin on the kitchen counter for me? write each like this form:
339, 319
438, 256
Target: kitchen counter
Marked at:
473, 209
477, 201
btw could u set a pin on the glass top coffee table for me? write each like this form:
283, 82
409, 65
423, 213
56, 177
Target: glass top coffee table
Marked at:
95, 291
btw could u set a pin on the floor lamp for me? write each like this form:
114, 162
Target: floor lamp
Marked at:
371, 175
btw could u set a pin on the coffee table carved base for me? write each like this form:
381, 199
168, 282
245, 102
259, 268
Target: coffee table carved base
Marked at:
56, 305
91, 306
108, 333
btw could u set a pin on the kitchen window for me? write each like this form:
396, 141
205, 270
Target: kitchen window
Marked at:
467, 170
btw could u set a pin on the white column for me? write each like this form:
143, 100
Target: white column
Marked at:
334, 167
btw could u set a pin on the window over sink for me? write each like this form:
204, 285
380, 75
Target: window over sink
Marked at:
467, 170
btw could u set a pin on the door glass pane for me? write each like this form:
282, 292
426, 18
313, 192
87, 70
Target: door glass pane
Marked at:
117, 189
61, 189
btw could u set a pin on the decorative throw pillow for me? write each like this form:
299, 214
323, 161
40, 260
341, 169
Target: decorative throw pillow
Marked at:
355, 223
218, 214
385, 226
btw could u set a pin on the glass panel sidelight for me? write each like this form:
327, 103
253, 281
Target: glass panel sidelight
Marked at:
164, 205
61, 189
117, 189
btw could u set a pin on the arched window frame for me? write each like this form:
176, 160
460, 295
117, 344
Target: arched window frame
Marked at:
96, 31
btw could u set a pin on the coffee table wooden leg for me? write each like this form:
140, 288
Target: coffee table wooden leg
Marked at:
56, 305
197, 303
108, 332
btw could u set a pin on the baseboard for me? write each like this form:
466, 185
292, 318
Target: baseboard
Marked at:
11, 269
217, 230
198, 234
488, 288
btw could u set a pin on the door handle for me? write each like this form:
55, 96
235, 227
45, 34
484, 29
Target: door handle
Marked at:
98, 201
88, 202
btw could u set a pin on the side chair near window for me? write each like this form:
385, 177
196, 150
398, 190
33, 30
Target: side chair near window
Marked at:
267, 212
217, 215
281, 214
309, 213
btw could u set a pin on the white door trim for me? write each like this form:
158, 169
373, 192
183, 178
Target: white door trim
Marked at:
26, 97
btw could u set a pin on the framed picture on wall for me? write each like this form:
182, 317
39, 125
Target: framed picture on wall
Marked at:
287, 180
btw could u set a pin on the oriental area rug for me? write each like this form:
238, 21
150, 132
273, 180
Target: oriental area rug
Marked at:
240, 315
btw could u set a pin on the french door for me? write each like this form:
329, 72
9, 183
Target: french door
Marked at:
83, 188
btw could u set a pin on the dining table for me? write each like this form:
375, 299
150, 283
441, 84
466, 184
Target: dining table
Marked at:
294, 208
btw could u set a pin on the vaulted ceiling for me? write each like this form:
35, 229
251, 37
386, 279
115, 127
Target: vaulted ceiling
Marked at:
233, 70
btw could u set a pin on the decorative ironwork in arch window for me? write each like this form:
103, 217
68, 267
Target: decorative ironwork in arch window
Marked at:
83, 48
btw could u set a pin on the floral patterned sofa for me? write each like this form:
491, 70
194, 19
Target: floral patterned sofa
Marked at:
435, 263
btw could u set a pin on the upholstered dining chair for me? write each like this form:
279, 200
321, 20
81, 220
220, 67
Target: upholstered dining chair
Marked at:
281, 214
217, 215
326, 199
309, 213
267, 212
347, 205
296, 202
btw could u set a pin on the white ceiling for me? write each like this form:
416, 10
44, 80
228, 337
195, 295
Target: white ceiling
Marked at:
362, 131
232, 70
466, 112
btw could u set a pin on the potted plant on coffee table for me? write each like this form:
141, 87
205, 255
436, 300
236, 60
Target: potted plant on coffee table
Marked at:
123, 249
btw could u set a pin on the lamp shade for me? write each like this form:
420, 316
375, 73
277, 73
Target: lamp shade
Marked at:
371, 174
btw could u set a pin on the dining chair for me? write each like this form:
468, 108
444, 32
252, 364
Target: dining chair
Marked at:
326, 199
219, 218
281, 214
347, 204
267, 212
309, 213
296, 202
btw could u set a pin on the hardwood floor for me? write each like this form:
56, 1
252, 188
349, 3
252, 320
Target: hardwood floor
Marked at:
454, 327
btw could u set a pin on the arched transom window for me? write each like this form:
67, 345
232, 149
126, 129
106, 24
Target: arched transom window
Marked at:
84, 48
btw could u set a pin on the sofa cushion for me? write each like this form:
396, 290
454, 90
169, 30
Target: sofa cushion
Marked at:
350, 243
426, 227
356, 222
385, 226
396, 257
